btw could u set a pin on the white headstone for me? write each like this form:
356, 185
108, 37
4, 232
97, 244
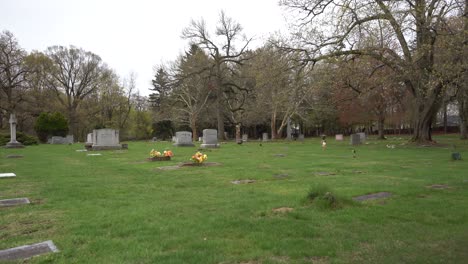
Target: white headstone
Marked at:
183, 139
339, 137
89, 138
265, 137
210, 138
245, 137
106, 139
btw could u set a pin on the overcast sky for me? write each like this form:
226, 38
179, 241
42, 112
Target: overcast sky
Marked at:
130, 35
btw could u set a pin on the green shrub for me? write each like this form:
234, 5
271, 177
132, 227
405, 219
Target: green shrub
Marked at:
163, 129
20, 137
51, 124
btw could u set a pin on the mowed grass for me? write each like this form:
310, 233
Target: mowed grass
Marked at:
119, 208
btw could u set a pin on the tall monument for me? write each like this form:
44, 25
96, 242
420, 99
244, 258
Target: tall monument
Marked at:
13, 143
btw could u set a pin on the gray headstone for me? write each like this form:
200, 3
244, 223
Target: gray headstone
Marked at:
13, 202
210, 138
28, 251
245, 137
89, 138
355, 139
7, 175
339, 137
183, 139
362, 136
301, 137
104, 139
200, 139
265, 137
174, 138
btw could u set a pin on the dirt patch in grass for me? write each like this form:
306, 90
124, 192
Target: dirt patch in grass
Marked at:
204, 164
14, 156
175, 167
324, 173
438, 186
282, 210
280, 175
318, 260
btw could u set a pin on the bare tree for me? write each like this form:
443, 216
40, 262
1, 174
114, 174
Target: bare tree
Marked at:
76, 74
12, 72
339, 28
223, 53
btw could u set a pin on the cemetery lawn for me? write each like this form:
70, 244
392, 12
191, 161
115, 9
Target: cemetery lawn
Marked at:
120, 208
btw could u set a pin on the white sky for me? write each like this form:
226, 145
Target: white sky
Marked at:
130, 35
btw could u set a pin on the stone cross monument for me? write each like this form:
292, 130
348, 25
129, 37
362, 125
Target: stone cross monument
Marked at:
13, 143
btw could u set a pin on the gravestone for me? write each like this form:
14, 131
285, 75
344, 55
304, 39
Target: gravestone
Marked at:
362, 136
89, 138
13, 143
265, 137
61, 140
245, 137
174, 138
183, 139
355, 139
339, 137
13, 202
7, 175
28, 251
289, 130
200, 139
210, 138
105, 139
301, 137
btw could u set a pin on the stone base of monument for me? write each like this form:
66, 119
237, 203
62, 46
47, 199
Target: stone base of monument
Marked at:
209, 146
101, 147
14, 145
184, 145
88, 146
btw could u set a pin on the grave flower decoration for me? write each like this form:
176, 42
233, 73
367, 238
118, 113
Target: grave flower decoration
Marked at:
168, 153
199, 157
155, 153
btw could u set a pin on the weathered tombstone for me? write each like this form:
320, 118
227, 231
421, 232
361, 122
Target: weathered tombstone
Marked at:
183, 139
289, 130
301, 137
174, 139
13, 202
104, 139
245, 137
265, 137
339, 137
355, 139
13, 143
200, 139
61, 140
362, 136
28, 251
210, 138
154, 139
89, 141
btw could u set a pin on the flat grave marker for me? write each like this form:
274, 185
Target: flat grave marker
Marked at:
7, 175
13, 202
28, 251
372, 196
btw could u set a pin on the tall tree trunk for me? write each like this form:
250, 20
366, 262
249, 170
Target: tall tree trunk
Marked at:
445, 118
73, 122
426, 111
273, 125
462, 104
219, 104
193, 126
380, 127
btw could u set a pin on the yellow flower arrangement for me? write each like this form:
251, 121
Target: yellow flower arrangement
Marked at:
199, 158
155, 153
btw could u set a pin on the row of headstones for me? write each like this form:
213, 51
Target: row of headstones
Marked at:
103, 139
184, 139
26, 251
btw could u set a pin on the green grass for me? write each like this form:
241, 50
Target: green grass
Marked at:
117, 208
